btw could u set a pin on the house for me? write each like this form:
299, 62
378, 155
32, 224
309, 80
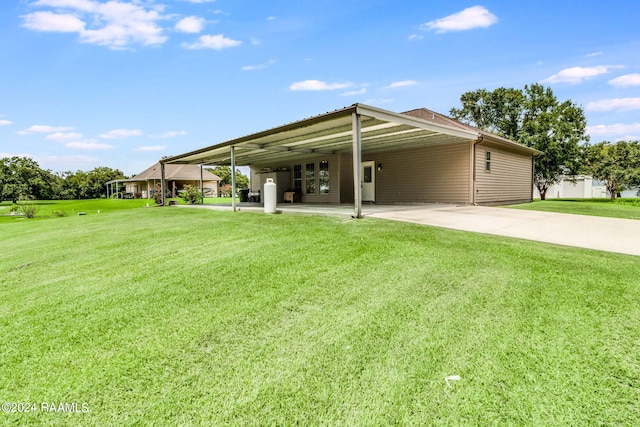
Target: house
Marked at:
148, 182
366, 154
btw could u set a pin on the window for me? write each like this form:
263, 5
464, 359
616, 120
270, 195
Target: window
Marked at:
324, 177
297, 178
367, 175
310, 178
487, 161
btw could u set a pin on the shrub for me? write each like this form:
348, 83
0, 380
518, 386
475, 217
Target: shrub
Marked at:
157, 197
59, 214
191, 194
28, 210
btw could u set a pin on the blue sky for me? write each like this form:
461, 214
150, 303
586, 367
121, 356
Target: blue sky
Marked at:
121, 83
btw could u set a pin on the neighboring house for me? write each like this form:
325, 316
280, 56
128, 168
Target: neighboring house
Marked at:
582, 187
365, 154
148, 182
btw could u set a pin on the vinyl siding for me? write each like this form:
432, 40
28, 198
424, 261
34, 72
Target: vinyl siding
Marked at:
509, 179
435, 174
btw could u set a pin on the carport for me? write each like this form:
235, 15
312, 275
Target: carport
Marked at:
347, 130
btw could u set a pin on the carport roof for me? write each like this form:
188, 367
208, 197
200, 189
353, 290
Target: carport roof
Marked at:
331, 133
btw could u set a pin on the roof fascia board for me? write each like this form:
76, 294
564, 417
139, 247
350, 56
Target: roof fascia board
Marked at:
507, 142
390, 116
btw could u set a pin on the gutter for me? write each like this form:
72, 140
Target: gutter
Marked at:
480, 140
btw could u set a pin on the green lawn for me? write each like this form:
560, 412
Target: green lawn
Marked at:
53, 208
621, 208
47, 208
198, 317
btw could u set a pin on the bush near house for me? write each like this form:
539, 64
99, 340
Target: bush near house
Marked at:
191, 194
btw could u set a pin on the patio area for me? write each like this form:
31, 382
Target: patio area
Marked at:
346, 210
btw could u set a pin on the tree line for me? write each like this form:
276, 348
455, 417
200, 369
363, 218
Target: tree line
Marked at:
23, 178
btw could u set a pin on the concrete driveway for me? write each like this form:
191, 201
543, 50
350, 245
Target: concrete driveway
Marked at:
591, 232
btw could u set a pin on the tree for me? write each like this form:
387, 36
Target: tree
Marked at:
616, 164
88, 185
71, 183
22, 177
534, 117
224, 172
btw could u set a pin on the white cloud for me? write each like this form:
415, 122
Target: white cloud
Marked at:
591, 55
151, 148
121, 133
271, 18
626, 80
44, 129
259, 66
403, 83
413, 37
190, 24
467, 19
63, 136
217, 42
115, 24
170, 134
53, 22
90, 144
5, 122
355, 92
616, 104
623, 131
317, 85
576, 75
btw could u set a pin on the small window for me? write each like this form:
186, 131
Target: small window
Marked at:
487, 161
297, 178
310, 178
367, 174
324, 177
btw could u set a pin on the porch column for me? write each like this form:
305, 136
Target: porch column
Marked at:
163, 184
201, 186
233, 178
357, 164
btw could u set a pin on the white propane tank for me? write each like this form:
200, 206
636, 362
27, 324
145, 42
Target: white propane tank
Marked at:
270, 196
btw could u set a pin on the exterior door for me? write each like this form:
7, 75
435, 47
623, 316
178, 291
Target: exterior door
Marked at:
368, 181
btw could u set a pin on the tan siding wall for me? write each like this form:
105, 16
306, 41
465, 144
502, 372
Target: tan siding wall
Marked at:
508, 180
439, 173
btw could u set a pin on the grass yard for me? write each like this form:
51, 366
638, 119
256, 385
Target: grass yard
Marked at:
56, 208
198, 317
53, 208
620, 208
